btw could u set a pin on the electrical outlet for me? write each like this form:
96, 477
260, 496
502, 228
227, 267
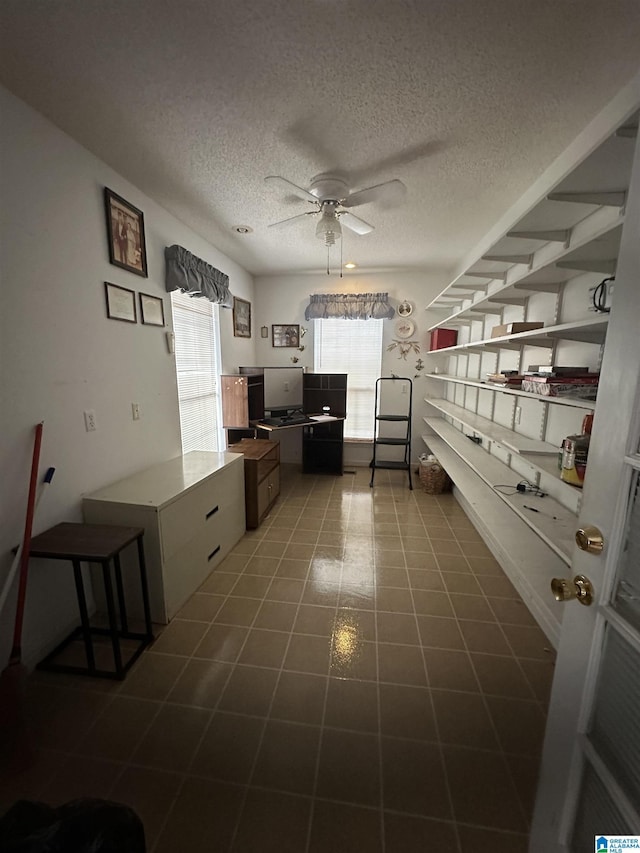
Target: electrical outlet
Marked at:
286, 386
135, 411
404, 387
517, 414
90, 423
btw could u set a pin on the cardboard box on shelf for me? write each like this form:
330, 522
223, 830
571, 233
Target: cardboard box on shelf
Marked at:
513, 329
442, 338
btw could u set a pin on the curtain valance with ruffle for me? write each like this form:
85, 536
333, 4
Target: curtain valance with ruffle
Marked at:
349, 306
194, 276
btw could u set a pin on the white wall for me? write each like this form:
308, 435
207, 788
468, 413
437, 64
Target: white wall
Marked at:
60, 355
283, 299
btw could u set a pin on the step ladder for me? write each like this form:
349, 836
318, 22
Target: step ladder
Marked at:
396, 391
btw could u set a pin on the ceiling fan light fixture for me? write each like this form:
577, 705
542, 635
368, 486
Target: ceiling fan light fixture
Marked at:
328, 228
350, 265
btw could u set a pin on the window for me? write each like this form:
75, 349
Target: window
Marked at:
353, 347
197, 349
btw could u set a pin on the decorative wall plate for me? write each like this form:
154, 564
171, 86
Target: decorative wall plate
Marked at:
405, 328
405, 309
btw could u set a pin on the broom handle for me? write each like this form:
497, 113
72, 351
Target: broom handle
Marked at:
48, 477
26, 542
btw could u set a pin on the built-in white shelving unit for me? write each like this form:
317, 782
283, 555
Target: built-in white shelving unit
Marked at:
539, 266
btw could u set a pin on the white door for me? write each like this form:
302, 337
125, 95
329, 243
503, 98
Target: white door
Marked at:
590, 775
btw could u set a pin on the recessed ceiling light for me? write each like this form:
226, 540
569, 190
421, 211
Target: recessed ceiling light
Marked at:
242, 229
350, 265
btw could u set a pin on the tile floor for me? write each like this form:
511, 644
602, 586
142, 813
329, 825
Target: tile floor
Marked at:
357, 675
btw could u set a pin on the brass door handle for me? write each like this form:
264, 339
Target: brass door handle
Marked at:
590, 539
579, 588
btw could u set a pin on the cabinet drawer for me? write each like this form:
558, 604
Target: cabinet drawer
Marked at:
268, 491
185, 519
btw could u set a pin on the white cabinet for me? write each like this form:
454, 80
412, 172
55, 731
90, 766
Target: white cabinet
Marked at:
541, 266
192, 510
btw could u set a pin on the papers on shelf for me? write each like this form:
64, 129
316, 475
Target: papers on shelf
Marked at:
321, 418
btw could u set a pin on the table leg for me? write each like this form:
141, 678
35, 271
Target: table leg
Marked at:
120, 589
84, 616
145, 588
113, 624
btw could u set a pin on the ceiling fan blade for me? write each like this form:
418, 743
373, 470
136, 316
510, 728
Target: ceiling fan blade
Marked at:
354, 223
293, 218
283, 183
389, 191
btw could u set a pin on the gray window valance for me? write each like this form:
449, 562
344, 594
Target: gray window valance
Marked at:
349, 306
194, 276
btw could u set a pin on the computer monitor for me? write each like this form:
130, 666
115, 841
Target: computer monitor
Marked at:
282, 388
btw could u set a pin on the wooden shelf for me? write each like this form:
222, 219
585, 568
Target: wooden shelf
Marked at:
557, 533
574, 402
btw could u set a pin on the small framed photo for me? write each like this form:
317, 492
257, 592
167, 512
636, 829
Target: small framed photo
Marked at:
125, 231
121, 303
241, 318
285, 336
405, 309
151, 310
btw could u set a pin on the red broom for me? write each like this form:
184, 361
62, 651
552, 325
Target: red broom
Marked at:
13, 677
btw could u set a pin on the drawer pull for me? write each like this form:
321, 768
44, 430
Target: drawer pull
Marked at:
213, 553
212, 512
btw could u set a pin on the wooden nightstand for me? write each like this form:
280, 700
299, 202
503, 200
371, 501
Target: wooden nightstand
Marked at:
261, 476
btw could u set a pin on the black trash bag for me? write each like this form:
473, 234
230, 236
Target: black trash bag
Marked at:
80, 826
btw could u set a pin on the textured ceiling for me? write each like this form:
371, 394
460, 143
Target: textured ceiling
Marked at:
195, 102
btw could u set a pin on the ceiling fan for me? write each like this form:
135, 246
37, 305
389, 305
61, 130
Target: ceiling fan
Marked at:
332, 198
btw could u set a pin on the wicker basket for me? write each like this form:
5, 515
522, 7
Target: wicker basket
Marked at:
433, 478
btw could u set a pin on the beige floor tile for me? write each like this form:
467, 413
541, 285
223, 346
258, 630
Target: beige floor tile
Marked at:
285, 589
450, 670
406, 712
426, 579
313, 619
299, 698
524, 772
413, 778
229, 748
357, 625
519, 724
481, 789
264, 648
397, 628
180, 637
352, 705
484, 637
276, 615
528, 641
251, 586
393, 577
57, 718
79, 776
153, 676
485, 566
475, 840
236, 561
401, 665
394, 600
511, 612
463, 720
474, 607
453, 563
337, 826
430, 603
203, 818
296, 569
308, 654
461, 582
501, 676
287, 758
263, 566
404, 834
353, 659
439, 632
118, 731
273, 822
221, 642
539, 674
201, 683
475, 549
172, 738
320, 592
349, 768
249, 691
201, 607
218, 583
238, 611
150, 793
446, 547
270, 549
360, 596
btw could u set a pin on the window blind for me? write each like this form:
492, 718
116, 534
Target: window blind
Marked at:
353, 347
197, 352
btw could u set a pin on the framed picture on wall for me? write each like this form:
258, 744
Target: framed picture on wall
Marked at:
285, 335
151, 310
125, 232
241, 318
121, 303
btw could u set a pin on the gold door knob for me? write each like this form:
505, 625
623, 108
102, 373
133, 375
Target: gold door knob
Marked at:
579, 588
590, 539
